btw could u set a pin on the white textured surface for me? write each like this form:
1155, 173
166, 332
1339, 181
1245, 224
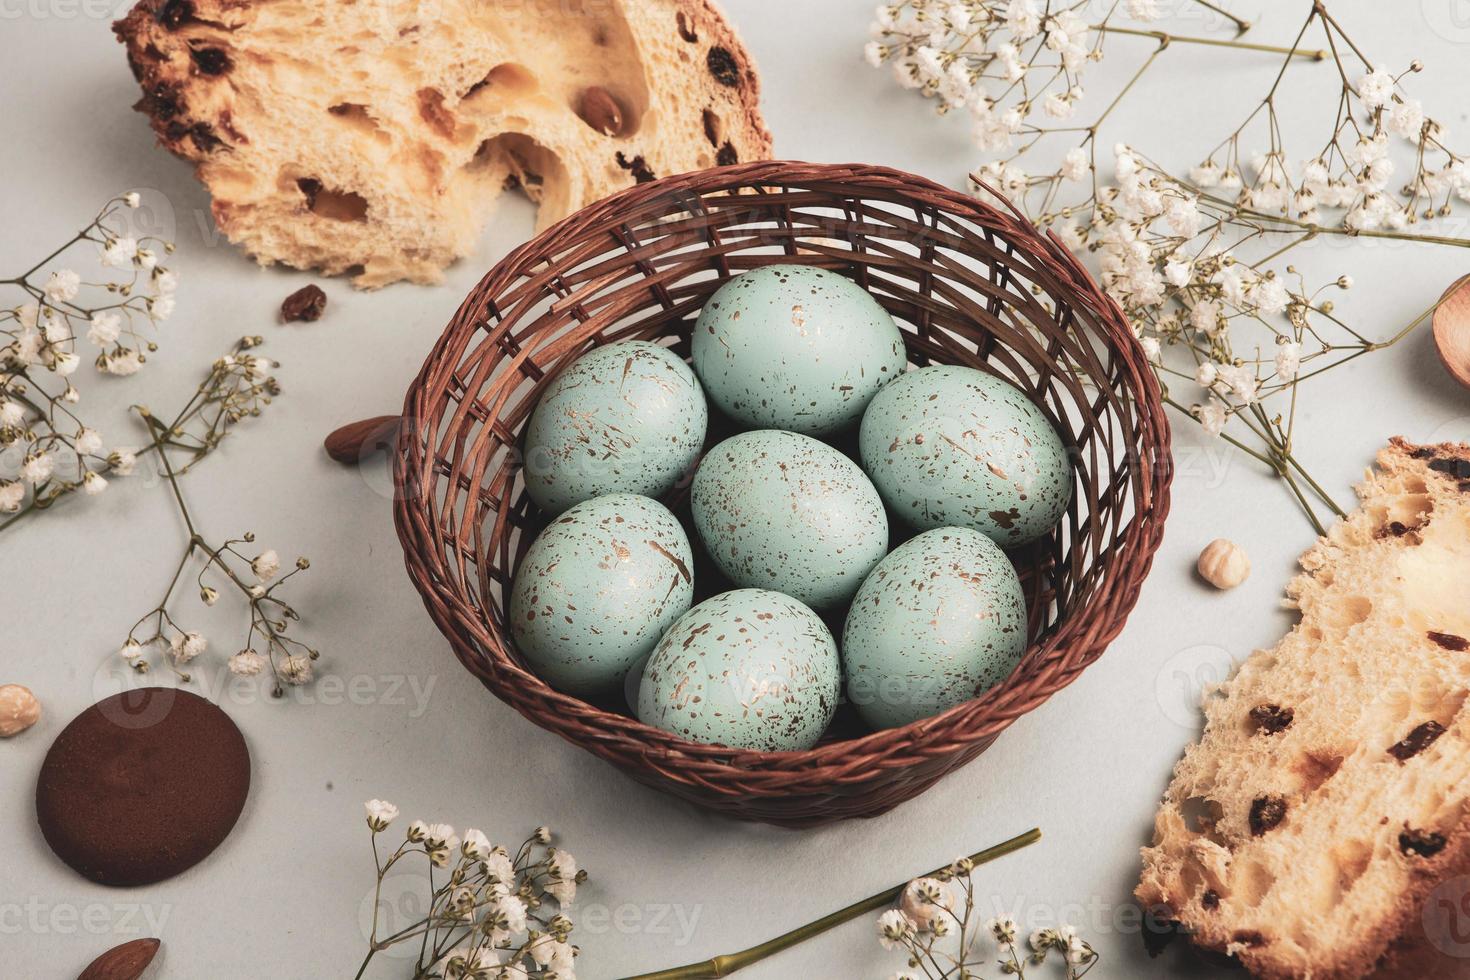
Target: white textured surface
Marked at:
282, 896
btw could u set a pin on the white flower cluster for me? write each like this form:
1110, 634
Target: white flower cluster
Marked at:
985, 56
45, 450
1181, 250
931, 908
493, 900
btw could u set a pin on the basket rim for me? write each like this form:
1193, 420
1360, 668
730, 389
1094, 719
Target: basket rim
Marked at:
1110, 604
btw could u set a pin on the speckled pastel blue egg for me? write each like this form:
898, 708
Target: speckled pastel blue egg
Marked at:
779, 510
596, 590
795, 347
953, 446
624, 418
939, 622
750, 669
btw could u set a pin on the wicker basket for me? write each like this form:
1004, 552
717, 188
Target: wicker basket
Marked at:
968, 283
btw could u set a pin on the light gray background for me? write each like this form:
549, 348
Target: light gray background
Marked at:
282, 897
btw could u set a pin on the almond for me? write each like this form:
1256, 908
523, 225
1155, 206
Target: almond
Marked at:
359, 440
601, 111
1452, 330
125, 962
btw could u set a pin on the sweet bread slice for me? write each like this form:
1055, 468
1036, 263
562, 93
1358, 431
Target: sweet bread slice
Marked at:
371, 136
1321, 825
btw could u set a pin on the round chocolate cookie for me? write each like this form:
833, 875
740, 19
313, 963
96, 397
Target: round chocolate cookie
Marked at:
142, 785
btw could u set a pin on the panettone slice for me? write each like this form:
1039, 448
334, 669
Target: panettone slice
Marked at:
1320, 828
372, 136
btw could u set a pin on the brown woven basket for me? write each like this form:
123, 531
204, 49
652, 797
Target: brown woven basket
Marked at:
968, 283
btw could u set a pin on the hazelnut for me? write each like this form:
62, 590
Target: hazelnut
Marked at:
1224, 564
19, 710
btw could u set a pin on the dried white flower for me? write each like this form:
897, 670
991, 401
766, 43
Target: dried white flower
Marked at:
893, 929
93, 484
12, 494
265, 565
296, 670
563, 884
1145, 10
62, 286
1288, 360
246, 663
88, 442
380, 813
119, 253
1376, 88
104, 329
186, 647
37, 468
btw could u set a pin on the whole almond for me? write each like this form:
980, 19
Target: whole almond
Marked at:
125, 962
601, 111
359, 440
19, 709
1452, 330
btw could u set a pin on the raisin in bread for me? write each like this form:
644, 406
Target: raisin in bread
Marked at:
1329, 796
371, 135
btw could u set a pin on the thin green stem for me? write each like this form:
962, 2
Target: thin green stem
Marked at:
724, 966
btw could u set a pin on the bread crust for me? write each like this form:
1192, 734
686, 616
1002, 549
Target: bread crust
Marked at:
183, 54
1194, 856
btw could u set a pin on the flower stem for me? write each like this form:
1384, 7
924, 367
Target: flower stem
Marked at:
723, 966
1164, 38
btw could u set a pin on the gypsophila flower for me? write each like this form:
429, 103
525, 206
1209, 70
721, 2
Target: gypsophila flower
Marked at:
62, 286
12, 495
1288, 360
563, 884
296, 670
380, 813
476, 845
246, 663
104, 328
12, 414
186, 646
132, 199
1376, 88
504, 933
37, 468
265, 565
893, 929
1145, 10
119, 253
88, 442
93, 484
927, 903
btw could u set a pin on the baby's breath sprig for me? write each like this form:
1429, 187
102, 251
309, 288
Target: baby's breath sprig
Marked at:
730, 963
237, 387
1197, 259
492, 917
47, 451
937, 924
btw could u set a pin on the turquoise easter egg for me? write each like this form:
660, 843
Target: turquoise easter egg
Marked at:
778, 510
624, 418
953, 446
750, 669
940, 621
597, 589
795, 347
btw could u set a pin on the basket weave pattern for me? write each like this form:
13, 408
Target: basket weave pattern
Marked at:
968, 284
